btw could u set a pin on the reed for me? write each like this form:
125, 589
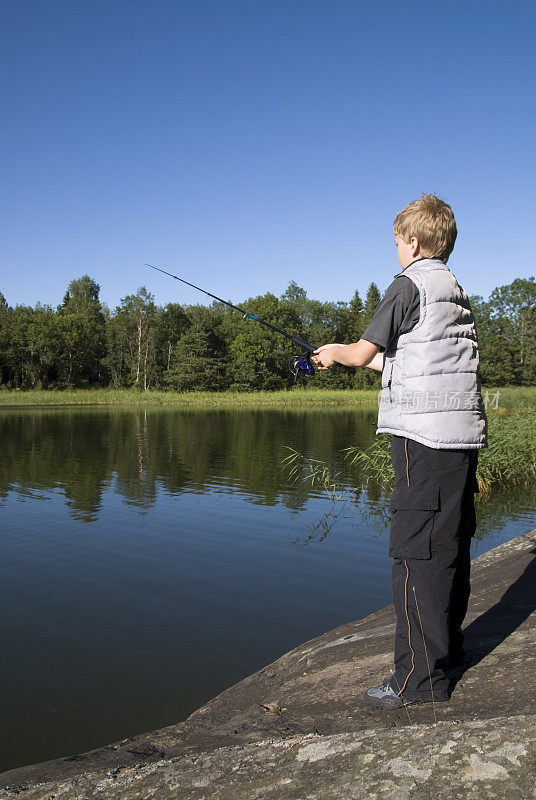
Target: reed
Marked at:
314, 472
510, 457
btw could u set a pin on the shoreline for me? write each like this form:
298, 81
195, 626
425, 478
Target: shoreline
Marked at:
507, 399
315, 398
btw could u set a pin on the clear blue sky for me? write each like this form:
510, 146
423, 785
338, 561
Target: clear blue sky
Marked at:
245, 143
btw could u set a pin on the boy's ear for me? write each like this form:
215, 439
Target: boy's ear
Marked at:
415, 246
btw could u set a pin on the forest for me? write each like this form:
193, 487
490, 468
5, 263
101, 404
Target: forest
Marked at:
84, 344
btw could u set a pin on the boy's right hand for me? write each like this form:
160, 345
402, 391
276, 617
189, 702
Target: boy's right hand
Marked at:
326, 356
358, 354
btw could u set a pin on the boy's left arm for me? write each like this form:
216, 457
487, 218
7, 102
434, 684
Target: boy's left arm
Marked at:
377, 362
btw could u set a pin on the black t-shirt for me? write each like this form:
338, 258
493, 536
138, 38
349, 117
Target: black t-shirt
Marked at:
397, 313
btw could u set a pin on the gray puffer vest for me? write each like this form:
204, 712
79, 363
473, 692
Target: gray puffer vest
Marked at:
430, 380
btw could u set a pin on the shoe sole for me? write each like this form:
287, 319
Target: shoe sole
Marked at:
385, 703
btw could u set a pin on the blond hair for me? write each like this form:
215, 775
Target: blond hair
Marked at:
432, 222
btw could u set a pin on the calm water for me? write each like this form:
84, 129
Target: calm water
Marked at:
152, 558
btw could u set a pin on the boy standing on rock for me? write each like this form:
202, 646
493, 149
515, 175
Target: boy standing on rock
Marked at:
423, 340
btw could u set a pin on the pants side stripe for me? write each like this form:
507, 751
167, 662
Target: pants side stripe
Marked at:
409, 630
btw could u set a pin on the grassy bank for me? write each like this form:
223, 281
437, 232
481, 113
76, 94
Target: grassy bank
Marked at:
293, 398
509, 400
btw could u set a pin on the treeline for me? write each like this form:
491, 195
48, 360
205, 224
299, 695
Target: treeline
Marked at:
82, 343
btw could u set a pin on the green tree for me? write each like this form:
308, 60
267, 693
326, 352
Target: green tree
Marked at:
330, 322
365, 378
172, 323
5, 332
297, 296
213, 348
77, 343
198, 361
131, 337
82, 326
355, 322
257, 357
33, 346
118, 359
372, 302
82, 297
16, 352
514, 308
496, 350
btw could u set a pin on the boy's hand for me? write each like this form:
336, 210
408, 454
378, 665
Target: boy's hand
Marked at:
326, 356
358, 354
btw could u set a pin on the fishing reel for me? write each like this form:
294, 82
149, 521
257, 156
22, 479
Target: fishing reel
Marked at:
301, 365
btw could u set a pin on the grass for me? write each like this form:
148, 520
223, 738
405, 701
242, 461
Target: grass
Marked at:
510, 399
511, 454
294, 398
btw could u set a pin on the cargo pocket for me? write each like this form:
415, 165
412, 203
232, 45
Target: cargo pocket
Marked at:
446, 459
413, 512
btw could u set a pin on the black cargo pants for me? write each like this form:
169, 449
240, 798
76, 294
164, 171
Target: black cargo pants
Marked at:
432, 523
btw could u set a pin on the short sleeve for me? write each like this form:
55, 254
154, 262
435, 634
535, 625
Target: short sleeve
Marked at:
397, 313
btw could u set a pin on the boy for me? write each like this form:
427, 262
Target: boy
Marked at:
423, 340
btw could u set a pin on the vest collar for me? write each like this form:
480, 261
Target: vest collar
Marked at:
418, 261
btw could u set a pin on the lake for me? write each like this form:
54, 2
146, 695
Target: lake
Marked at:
151, 558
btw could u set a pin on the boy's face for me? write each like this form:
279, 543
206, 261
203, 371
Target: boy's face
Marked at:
407, 251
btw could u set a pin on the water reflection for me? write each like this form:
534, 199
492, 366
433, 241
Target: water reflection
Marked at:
137, 453
85, 453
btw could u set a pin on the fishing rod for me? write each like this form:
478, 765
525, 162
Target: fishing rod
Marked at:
301, 364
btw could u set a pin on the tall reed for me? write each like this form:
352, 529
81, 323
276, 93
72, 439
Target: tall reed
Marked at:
510, 457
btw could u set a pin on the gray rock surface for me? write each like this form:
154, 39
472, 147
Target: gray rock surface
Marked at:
299, 728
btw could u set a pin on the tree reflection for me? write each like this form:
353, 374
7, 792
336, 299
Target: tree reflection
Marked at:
141, 453
84, 453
